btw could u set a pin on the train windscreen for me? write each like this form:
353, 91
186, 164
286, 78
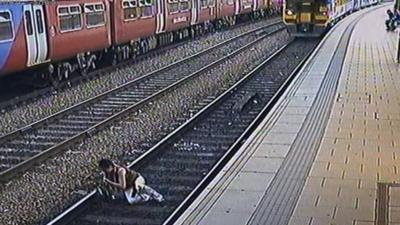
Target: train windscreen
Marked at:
305, 5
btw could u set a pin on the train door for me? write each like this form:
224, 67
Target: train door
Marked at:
161, 15
195, 11
35, 32
219, 8
238, 5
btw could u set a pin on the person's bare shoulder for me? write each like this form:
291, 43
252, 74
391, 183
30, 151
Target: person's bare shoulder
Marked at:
121, 171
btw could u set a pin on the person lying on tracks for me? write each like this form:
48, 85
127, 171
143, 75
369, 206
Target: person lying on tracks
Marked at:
129, 181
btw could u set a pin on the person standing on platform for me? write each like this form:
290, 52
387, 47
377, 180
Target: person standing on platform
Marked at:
397, 17
390, 23
133, 185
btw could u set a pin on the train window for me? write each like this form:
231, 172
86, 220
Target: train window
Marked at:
211, 2
148, 2
89, 8
203, 3
146, 8
39, 21
94, 15
130, 9
63, 10
6, 26
28, 23
147, 11
230, 2
184, 6
70, 18
74, 9
173, 7
99, 7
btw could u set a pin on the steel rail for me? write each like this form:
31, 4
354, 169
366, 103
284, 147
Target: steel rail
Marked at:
18, 100
238, 143
9, 173
169, 66
75, 210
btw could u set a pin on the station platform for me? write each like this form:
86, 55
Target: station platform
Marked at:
329, 151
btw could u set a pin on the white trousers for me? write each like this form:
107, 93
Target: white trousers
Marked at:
144, 193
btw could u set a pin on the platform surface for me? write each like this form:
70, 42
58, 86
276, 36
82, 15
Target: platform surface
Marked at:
317, 159
361, 144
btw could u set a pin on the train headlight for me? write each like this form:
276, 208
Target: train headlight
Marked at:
289, 12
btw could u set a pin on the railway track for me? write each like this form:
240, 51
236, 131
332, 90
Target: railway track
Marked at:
183, 163
23, 148
26, 93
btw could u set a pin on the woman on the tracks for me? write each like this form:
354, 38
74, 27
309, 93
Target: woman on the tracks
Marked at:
130, 182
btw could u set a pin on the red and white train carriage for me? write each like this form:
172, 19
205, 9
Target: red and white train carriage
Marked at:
63, 36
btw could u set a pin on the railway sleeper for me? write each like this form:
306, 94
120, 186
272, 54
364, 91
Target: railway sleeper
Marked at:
90, 116
76, 122
11, 159
131, 96
174, 181
44, 138
116, 103
102, 109
141, 93
221, 126
161, 81
182, 157
183, 163
138, 208
95, 118
155, 82
141, 86
167, 190
128, 93
4, 167
204, 143
18, 152
107, 105
30, 144
222, 138
88, 112
219, 116
61, 133
197, 152
221, 130
184, 172
87, 117
119, 99
59, 127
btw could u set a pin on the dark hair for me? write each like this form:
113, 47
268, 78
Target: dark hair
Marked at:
105, 164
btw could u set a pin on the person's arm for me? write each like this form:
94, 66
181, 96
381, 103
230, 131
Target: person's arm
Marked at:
121, 179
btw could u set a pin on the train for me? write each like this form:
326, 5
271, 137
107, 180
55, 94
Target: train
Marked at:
312, 18
59, 37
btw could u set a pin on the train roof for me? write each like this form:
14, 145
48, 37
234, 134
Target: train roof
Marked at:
5, 2
24, 1
305, 1
30, 1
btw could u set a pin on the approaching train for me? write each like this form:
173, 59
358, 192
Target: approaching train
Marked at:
311, 18
59, 37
